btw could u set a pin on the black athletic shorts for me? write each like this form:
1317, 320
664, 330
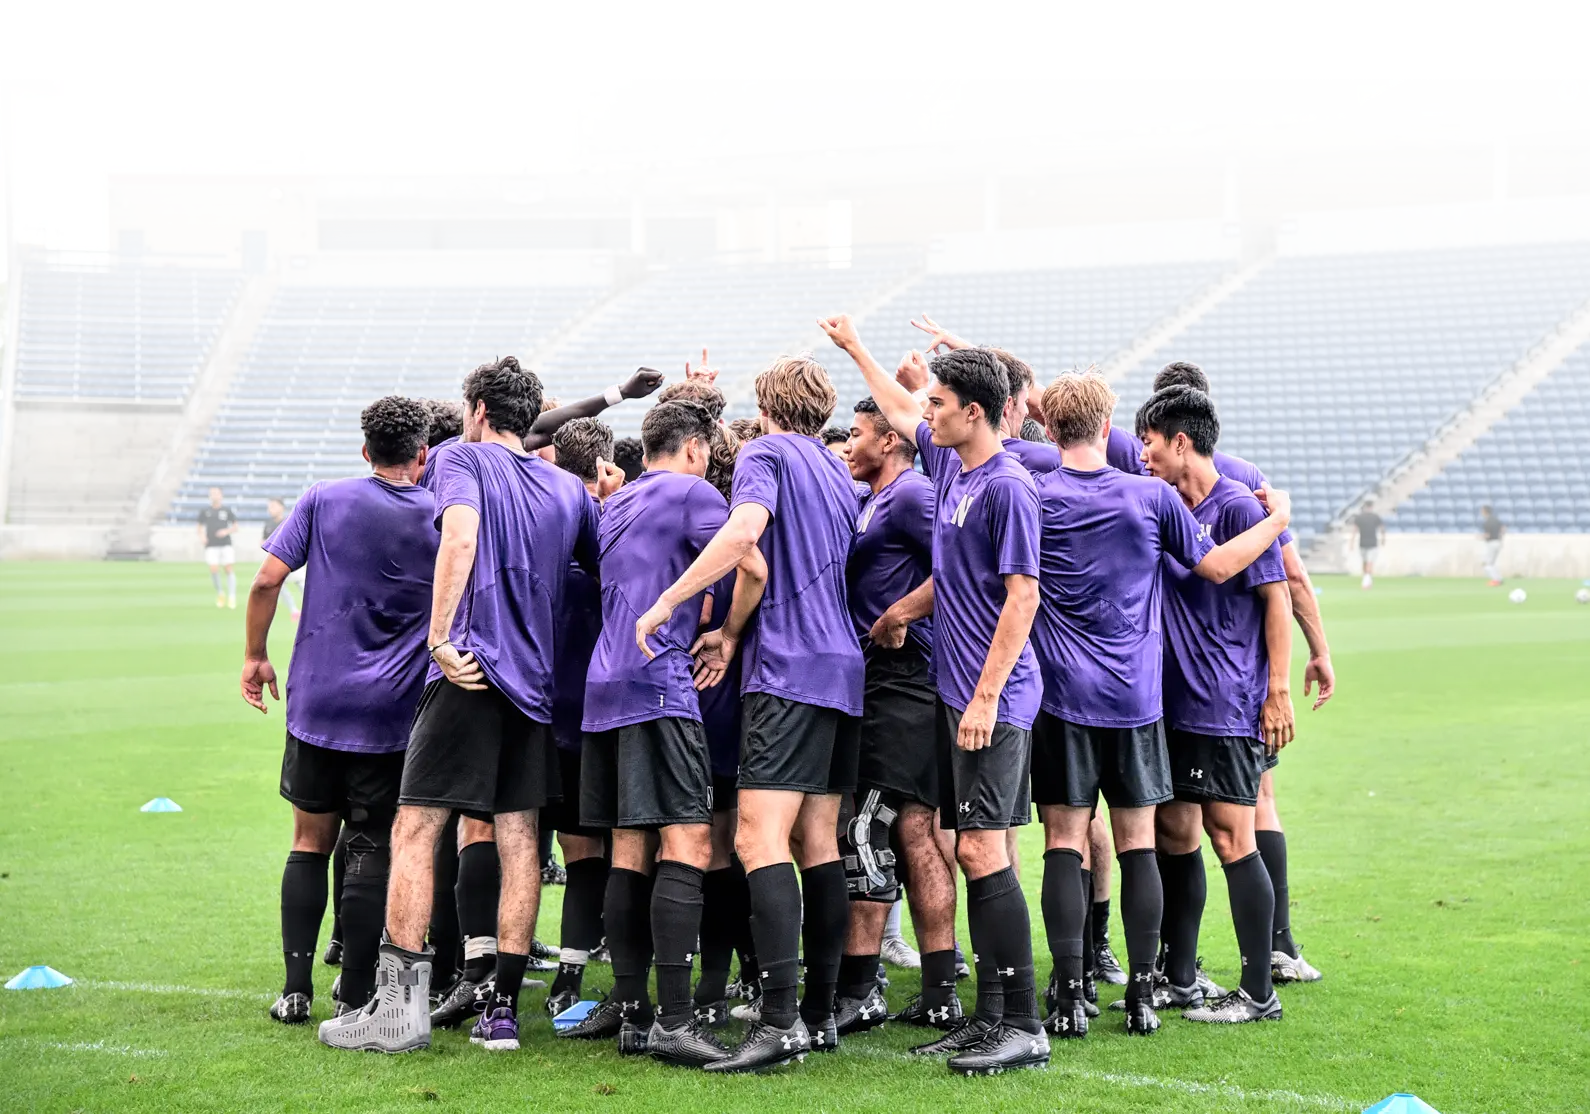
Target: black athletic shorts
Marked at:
803, 748
984, 789
725, 793
1271, 761
362, 785
898, 754
477, 753
646, 775
1215, 767
1073, 763
563, 815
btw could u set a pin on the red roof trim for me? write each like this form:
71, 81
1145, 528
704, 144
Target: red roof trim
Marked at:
212, 180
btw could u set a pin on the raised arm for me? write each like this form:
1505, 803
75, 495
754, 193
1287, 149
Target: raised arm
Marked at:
1305, 609
639, 385
1227, 560
455, 560
903, 411
1010, 635
728, 547
258, 673
1276, 718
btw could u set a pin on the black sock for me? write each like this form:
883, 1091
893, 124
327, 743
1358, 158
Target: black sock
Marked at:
1252, 914
826, 901
479, 885
675, 928
509, 980
719, 896
744, 939
858, 974
1062, 905
339, 865
442, 935
776, 930
1087, 919
303, 908
363, 911
938, 978
1272, 849
581, 928
1005, 926
1186, 889
1099, 921
545, 845
627, 917
1142, 909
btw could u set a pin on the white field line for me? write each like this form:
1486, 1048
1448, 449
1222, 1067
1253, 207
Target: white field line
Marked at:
90, 1046
161, 988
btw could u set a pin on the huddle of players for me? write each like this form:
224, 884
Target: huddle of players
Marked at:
1008, 601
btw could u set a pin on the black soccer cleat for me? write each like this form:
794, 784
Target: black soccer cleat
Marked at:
857, 1015
1068, 1020
967, 1034
633, 1036
541, 951
602, 1023
333, 954
687, 1046
554, 875
559, 1001
1005, 1048
1106, 968
1141, 1020
946, 1016
824, 1036
463, 1003
1235, 1008
766, 1047
291, 1009
1090, 988
336, 988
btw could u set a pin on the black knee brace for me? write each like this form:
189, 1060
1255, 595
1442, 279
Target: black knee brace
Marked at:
864, 849
369, 847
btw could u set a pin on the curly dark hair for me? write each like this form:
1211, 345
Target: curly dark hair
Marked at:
395, 429
720, 466
668, 425
693, 390
629, 456
579, 443
1181, 373
447, 420
512, 395
832, 435
1182, 410
747, 429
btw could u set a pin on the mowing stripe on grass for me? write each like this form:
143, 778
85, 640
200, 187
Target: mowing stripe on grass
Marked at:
161, 988
87, 1046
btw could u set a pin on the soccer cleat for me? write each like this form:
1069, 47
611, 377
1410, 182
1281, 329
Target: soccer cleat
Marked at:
857, 1015
231, 602
497, 1031
946, 1016
291, 1009
561, 1000
342, 1008
1235, 1008
1292, 968
897, 952
336, 989
396, 1020
1208, 985
1005, 1048
632, 1037
220, 599
963, 969
824, 1036
751, 1008
968, 1033
602, 1023
553, 874
1141, 1020
1106, 968
1090, 989
685, 1046
1068, 1020
1166, 995
766, 1047
333, 956
601, 954
714, 1015
463, 1002
883, 976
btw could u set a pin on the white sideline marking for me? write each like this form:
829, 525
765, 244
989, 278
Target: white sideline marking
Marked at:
93, 1046
160, 988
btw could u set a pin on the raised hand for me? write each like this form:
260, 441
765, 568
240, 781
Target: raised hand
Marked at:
642, 383
702, 372
912, 374
940, 336
609, 478
841, 330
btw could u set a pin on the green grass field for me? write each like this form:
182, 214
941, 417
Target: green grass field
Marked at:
1438, 820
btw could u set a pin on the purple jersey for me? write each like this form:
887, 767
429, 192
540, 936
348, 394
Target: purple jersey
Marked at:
428, 475
1124, 452
1249, 476
1036, 457
802, 646
652, 529
986, 528
1097, 633
1216, 661
720, 704
534, 519
358, 664
893, 553
578, 631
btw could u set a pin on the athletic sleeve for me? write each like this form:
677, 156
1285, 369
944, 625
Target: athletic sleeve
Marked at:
932, 455
1181, 536
1038, 458
1249, 476
290, 543
457, 484
1013, 522
1124, 452
705, 514
756, 478
914, 514
1238, 515
587, 537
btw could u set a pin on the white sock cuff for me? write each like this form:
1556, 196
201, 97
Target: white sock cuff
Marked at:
478, 947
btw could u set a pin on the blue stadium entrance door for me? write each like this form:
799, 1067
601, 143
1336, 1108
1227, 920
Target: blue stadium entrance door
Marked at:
255, 253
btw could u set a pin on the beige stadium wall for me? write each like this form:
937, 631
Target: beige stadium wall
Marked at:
206, 214
1415, 554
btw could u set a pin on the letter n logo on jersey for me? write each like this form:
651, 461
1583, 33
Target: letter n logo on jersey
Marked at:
959, 517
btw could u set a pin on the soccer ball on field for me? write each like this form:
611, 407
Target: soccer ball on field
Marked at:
1582, 595
1517, 595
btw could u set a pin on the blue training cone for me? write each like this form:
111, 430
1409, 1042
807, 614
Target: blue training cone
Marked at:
38, 978
1402, 1103
161, 804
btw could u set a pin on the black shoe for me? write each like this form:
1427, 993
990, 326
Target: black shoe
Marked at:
714, 1015
1068, 1020
560, 1000
1141, 1020
1106, 968
766, 1047
544, 952
463, 1003
1003, 1049
632, 1037
968, 1033
857, 1015
554, 875
1090, 1008
336, 988
824, 1035
688, 1046
601, 954
1090, 988
291, 1009
602, 1023
333, 955
916, 1012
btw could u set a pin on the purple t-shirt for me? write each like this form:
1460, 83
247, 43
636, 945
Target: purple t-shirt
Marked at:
534, 519
1126, 453
720, 704
1249, 476
578, 631
1216, 660
1035, 456
652, 529
428, 475
893, 554
358, 664
985, 528
803, 645
1097, 633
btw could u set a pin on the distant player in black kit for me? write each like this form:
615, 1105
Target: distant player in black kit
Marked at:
217, 523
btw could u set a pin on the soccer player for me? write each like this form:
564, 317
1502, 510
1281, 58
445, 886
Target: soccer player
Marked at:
836, 439
1491, 529
747, 429
891, 601
1371, 533
357, 663
802, 685
1097, 637
216, 524
628, 455
480, 741
275, 515
985, 585
1227, 705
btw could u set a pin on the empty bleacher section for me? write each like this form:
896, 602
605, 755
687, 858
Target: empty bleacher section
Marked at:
1328, 370
117, 331
745, 313
1520, 466
322, 353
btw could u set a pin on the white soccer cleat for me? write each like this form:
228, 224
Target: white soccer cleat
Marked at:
1288, 968
1367, 580
398, 1018
898, 953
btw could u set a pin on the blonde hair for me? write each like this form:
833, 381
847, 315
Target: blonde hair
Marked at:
1076, 406
795, 392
